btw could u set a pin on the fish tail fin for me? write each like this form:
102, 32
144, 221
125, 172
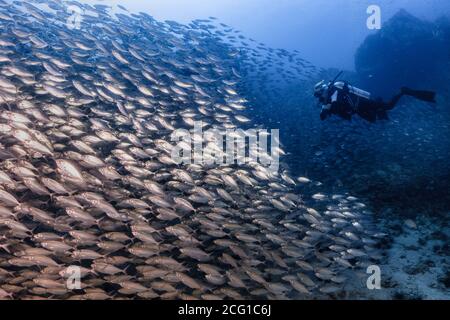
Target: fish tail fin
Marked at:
5, 247
97, 222
124, 270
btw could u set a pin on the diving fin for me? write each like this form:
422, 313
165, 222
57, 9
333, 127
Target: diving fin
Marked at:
428, 96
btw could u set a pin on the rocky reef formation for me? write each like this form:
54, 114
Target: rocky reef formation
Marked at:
407, 51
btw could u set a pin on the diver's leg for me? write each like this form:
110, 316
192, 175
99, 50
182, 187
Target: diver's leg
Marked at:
367, 109
391, 104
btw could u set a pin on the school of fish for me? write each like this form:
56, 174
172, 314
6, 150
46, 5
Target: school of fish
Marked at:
87, 179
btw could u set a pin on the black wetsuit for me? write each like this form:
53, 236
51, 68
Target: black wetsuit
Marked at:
345, 104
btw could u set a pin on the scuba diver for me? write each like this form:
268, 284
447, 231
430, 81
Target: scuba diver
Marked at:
339, 98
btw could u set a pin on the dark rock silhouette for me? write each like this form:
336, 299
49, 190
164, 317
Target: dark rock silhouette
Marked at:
407, 51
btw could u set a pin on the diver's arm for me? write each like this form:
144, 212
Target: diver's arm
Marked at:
326, 112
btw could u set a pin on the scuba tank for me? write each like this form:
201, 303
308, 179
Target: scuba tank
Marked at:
353, 90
